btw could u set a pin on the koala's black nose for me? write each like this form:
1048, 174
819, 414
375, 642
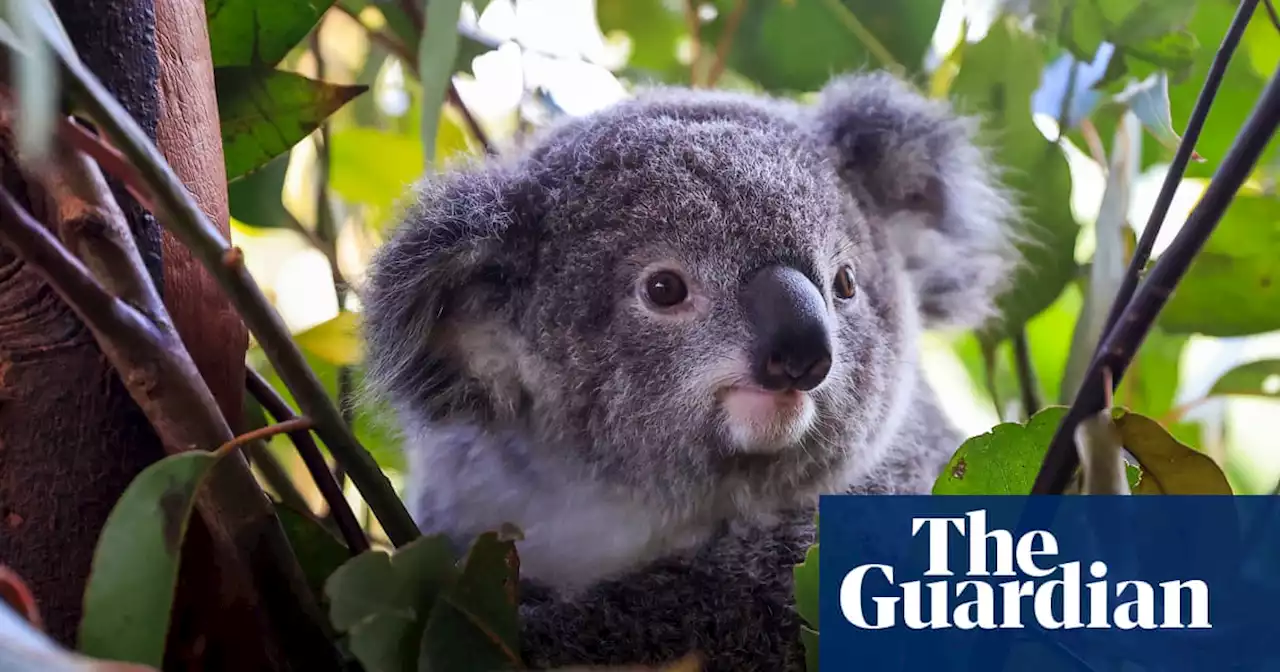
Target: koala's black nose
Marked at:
792, 343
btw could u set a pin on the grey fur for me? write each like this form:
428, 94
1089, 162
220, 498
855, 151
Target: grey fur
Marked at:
504, 325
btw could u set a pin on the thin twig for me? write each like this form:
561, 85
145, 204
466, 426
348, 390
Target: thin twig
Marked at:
108, 157
1120, 344
290, 425
467, 117
343, 517
695, 35
1271, 12
187, 221
1027, 381
726, 43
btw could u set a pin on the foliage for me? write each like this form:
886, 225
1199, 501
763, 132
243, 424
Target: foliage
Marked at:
323, 137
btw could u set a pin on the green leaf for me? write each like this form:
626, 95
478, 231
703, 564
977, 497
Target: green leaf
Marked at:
655, 28
436, 56
475, 623
833, 38
1145, 33
135, 565
1168, 467
336, 340
1241, 84
1233, 286
319, 552
252, 32
256, 199
809, 638
1255, 379
265, 113
382, 601
805, 579
1004, 461
997, 80
1150, 383
373, 167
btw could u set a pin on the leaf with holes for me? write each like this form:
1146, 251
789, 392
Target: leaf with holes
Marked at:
265, 113
135, 565
1168, 467
1232, 288
1003, 461
252, 32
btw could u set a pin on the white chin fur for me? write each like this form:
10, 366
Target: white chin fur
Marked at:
758, 422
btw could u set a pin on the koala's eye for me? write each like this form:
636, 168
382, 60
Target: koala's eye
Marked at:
843, 284
666, 289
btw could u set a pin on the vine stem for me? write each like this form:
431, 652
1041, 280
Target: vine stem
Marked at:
865, 36
182, 216
1120, 344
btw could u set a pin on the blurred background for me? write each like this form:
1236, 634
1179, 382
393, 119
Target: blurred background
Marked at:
1082, 101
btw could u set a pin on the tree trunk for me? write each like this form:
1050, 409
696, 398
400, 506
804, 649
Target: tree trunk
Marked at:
71, 438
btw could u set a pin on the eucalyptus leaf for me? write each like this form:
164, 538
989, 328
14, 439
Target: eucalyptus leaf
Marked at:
129, 597
318, 551
266, 112
475, 623
436, 54
253, 32
1232, 288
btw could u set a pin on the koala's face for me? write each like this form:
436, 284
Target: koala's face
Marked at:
684, 292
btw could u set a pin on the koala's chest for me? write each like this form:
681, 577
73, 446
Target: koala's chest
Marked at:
573, 538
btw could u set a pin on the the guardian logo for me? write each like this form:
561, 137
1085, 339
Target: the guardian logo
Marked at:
1053, 594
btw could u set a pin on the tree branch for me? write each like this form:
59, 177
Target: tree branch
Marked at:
726, 43
695, 35
343, 517
189, 224
1121, 343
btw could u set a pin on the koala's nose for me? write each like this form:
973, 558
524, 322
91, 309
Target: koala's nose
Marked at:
792, 342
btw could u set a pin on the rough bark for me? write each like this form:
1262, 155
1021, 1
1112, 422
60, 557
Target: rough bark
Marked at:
71, 438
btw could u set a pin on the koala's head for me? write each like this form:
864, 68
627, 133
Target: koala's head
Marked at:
693, 289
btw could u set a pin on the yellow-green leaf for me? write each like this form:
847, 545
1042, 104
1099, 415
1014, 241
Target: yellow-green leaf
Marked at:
1168, 467
1004, 461
335, 340
1255, 379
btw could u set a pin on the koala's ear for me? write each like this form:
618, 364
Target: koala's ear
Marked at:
441, 289
914, 167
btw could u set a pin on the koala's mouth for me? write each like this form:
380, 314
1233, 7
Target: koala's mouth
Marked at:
759, 420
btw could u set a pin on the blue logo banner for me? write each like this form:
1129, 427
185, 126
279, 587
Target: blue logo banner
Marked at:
1049, 583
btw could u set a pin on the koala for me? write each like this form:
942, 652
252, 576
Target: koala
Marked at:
655, 335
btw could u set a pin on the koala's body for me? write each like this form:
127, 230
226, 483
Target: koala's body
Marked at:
655, 336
